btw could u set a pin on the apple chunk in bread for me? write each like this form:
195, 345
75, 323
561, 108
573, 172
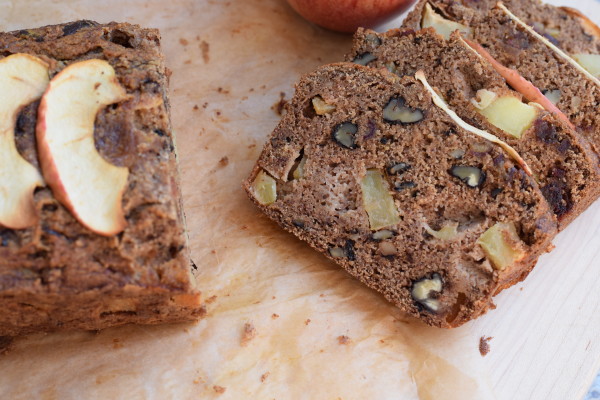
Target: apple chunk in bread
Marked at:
442, 26
86, 184
508, 113
591, 62
23, 79
502, 245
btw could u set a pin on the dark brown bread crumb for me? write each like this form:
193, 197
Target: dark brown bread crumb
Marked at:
59, 275
324, 204
565, 166
279, 107
343, 340
484, 345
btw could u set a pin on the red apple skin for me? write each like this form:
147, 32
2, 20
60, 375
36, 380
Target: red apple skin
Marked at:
347, 15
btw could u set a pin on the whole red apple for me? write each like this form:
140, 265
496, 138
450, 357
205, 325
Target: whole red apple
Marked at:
347, 15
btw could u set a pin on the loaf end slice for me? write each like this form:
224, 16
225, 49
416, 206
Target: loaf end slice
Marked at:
58, 274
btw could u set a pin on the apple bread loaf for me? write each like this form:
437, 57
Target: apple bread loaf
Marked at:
363, 166
517, 46
101, 241
561, 159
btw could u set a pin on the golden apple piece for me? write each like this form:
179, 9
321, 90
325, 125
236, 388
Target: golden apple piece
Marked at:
23, 79
265, 188
510, 114
299, 171
502, 245
378, 201
441, 103
591, 62
520, 84
442, 26
447, 232
84, 182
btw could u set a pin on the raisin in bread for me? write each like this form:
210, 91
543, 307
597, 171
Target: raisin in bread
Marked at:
563, 163
362, 167
517, 46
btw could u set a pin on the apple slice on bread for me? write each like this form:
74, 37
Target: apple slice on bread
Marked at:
23, 79
85, 183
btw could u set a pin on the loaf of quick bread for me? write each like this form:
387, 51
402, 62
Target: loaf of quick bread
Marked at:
92, 232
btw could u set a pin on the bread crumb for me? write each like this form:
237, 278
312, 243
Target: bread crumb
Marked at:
205, 48
196, 108
248, 334
224, 161
219, 389
275, 316
307, 322
279, 107
484, 345
264, 376
344, 340
183, 42
211, 299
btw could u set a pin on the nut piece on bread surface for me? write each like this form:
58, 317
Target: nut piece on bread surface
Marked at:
58, 274
23, 79
84, 182
365, 206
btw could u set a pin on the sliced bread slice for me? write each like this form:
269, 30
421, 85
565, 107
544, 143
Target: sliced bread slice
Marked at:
363, 168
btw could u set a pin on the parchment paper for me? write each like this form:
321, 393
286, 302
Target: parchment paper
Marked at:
282, 322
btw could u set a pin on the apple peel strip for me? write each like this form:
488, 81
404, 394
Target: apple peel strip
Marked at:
520, 84
438, 101
558, 51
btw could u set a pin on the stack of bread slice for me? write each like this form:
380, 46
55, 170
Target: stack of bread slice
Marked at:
437, 164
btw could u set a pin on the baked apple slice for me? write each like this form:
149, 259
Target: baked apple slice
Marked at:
23, 79
84, 182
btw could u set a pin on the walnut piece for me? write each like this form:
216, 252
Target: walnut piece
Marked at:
425, 291
321, 106
397, 112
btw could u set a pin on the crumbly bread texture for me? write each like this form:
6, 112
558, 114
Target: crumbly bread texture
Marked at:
566, 27
515, 47
362, 168
58, 274
561, 159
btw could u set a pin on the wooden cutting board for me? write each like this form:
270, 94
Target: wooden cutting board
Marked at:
232, 62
